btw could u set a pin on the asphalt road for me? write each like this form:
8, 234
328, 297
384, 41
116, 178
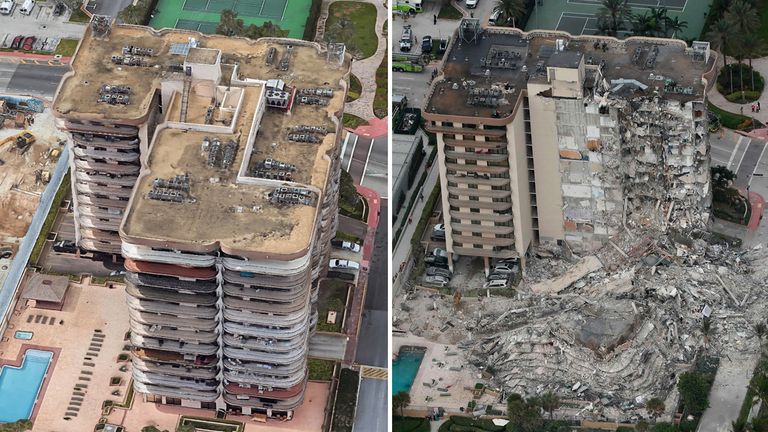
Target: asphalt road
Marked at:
31, 79
377, 167
108, 7
372, 349
371, 414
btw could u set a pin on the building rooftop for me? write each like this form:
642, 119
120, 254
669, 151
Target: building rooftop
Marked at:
92, 67
206, 181
486, 70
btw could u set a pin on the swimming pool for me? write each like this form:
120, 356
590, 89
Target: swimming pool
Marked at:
23, 335
405, 368
19, 387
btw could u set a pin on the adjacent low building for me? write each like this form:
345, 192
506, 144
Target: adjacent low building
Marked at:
546, 138
212, 165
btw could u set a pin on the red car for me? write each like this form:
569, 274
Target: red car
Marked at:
28, 42
17, 42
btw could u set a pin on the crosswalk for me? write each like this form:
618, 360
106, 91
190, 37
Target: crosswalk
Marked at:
374, 373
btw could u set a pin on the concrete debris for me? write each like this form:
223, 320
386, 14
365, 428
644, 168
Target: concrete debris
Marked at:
611, 330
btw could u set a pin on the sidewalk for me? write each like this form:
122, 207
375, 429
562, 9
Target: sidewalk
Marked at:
728, 393
717, 99
375, 128
353, 323
23, 57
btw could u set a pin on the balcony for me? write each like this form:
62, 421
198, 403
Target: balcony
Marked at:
475, 144
137, 266
502, 253
171, 283
480, 204
483, 228
472, 178
486, 193
465, 131
477, 156
480, 169
491, 217
470, 239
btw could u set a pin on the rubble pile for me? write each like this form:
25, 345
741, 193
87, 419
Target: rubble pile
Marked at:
617, 335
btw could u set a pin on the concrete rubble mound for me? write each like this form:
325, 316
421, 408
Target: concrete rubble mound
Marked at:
606, 331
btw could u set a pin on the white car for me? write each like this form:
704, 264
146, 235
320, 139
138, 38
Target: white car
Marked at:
495, 284
436, 280
471, 4
354, 247
505, 268
440, 252
343, 265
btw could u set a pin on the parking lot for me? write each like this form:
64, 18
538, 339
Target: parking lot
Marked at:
42, 24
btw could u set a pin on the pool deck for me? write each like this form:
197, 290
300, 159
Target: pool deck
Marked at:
308, 417
461, 382
87, 307
17, 363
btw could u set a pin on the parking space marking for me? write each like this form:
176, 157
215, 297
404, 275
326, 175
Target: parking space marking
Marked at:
733, 153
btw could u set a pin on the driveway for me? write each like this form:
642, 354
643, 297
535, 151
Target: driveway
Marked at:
41, 24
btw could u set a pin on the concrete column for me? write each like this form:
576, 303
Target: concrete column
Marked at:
487, 265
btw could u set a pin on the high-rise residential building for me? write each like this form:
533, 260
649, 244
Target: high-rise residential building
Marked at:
545, 138
212, 164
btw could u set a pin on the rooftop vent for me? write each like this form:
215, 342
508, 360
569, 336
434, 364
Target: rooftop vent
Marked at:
101, 26
336, 53
176, 189
291, 196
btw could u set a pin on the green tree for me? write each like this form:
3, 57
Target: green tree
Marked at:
72, 5
525, 414
230, 24
400, 401
718, 35
17, 426
739, 425
752, 46
186, 428
694, 392
642, 426
722, 177
642, 24
655, 407
659, 20
135, 13
614, 12
511, 9
676, 25
268, 29
743, 16
664, 427
150, 428
549, 403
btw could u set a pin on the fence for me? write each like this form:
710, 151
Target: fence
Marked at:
11, 285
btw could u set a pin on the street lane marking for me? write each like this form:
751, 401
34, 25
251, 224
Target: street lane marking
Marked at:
758, 163
352, 153
733, 153
365, 167
746, 148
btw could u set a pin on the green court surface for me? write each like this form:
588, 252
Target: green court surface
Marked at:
580, 16
203, 15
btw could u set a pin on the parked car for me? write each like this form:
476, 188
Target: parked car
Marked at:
496, 284
443, 45
496, 17
426, 44
505, 268
29, 42
439, 271
438, 232
406, 39
65, 246
471, 4
498, 276
436, 261
440, 252
436, 280
16, 44
6, 252
59, 9
354, 247
343, 264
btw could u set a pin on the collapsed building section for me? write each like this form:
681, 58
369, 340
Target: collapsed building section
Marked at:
222, 265
546, 138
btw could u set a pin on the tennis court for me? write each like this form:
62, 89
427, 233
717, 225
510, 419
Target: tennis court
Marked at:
203, 15
580, 16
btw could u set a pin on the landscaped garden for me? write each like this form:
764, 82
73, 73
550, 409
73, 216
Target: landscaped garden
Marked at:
332, 297
740, 83
354, 24
320, 370
410, 424
346, 401
727, 202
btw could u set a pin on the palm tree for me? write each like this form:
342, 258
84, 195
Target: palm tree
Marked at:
752, 46
676, 25
719, 34
400, 401
511, 9
743, 16
615, 11
655, 407
549, 402
659, 20
641, 24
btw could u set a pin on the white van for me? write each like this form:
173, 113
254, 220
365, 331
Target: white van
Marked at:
6, 7
27, 7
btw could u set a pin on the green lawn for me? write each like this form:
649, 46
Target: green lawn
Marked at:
449, 12
352, 121
348, 237
380, 105
332, 297
354, 24
346, 400
66, 47
762, 9
79, 16
731, 120
410, 424
49, 219
355, 88
320, 370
